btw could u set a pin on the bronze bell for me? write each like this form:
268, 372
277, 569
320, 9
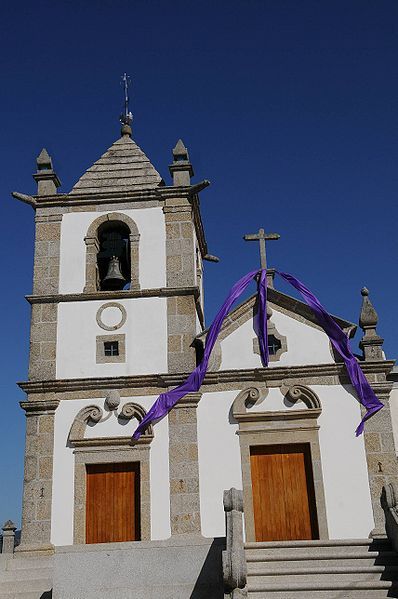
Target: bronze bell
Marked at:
114, 278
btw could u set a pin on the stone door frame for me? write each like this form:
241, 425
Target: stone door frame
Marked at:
280, 428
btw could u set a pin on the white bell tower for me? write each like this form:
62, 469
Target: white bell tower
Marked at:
116, 303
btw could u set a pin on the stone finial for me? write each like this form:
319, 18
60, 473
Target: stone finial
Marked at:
181, 169
112, 399
8, 529
45, 176
126, 130
371, 343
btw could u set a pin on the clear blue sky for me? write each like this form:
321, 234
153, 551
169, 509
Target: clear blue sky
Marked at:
288, 107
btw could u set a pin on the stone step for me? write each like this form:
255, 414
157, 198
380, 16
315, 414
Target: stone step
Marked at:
25, 586
303, 562
304, 552
337, 594
319, 543
320, 577
27, 574
288, 570
256, 586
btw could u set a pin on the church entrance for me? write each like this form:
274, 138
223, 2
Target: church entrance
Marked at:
113, 503
283, 493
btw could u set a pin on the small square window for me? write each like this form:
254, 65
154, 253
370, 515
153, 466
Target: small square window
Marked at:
111, 348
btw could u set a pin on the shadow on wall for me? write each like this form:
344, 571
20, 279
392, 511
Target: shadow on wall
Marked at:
209, 584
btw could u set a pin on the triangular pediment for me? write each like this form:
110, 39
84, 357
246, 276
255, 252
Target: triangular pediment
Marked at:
277, 300
123, 167
293, 331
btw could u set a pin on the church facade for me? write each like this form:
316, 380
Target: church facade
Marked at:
118, 318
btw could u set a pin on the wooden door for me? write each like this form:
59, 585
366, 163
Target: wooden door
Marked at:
112, 503
283, 493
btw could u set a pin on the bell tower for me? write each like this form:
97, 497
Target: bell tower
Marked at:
117, 301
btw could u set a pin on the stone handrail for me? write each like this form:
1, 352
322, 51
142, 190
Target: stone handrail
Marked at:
233, 558
389, 505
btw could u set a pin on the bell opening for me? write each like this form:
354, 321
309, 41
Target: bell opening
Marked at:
113, 258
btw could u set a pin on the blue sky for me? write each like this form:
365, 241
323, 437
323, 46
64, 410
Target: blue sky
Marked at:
288, 107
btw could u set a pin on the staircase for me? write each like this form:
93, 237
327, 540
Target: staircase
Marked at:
354, 569
25, 577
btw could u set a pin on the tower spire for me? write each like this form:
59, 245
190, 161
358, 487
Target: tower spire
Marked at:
126, 118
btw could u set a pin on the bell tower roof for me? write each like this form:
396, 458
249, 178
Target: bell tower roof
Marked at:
123, 167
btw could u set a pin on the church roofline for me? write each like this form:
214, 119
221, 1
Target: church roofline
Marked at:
289, 303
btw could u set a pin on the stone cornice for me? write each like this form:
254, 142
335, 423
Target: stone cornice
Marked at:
112, 295
274, 376
86, 199
157, 195
36, 408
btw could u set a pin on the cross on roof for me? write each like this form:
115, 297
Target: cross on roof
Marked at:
262, 237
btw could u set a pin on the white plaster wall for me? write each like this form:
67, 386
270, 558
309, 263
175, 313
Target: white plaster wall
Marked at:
305, 345
219, 459
345, 473
63, 469
347, 494
394, 413
146, 339
152, 266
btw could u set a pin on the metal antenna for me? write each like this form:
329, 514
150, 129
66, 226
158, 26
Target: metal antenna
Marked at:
126, 118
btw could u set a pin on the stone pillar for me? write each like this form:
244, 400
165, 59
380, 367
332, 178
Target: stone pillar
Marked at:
47, 249
92, 249
381, 457
184, 467
135, 260
181, 273
371, 343
43, 341
43, 326
38, 476
8, 529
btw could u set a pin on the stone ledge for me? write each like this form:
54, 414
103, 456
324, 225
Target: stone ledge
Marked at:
273, 376
107, 295
185, 541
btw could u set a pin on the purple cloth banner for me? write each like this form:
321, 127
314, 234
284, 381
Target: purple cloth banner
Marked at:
338, 338
166, 401
341, 343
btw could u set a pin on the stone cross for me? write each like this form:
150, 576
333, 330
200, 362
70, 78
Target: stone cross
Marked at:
262, 237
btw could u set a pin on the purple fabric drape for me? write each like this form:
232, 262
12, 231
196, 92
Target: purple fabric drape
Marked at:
166, 401
341, 344
338, 338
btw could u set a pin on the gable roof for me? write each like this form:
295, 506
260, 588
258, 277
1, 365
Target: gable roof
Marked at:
288, 304
123, 167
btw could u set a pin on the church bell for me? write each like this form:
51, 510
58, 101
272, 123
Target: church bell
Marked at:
114, 278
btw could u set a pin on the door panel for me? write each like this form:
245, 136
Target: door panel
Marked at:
283, 493
112, 503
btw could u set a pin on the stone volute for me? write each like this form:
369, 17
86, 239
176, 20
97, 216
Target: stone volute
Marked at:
371, 343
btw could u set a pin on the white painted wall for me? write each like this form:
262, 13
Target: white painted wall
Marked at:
219, 459
63, 469
305, 345
347, 494
345, 473
146, 339
152, 267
